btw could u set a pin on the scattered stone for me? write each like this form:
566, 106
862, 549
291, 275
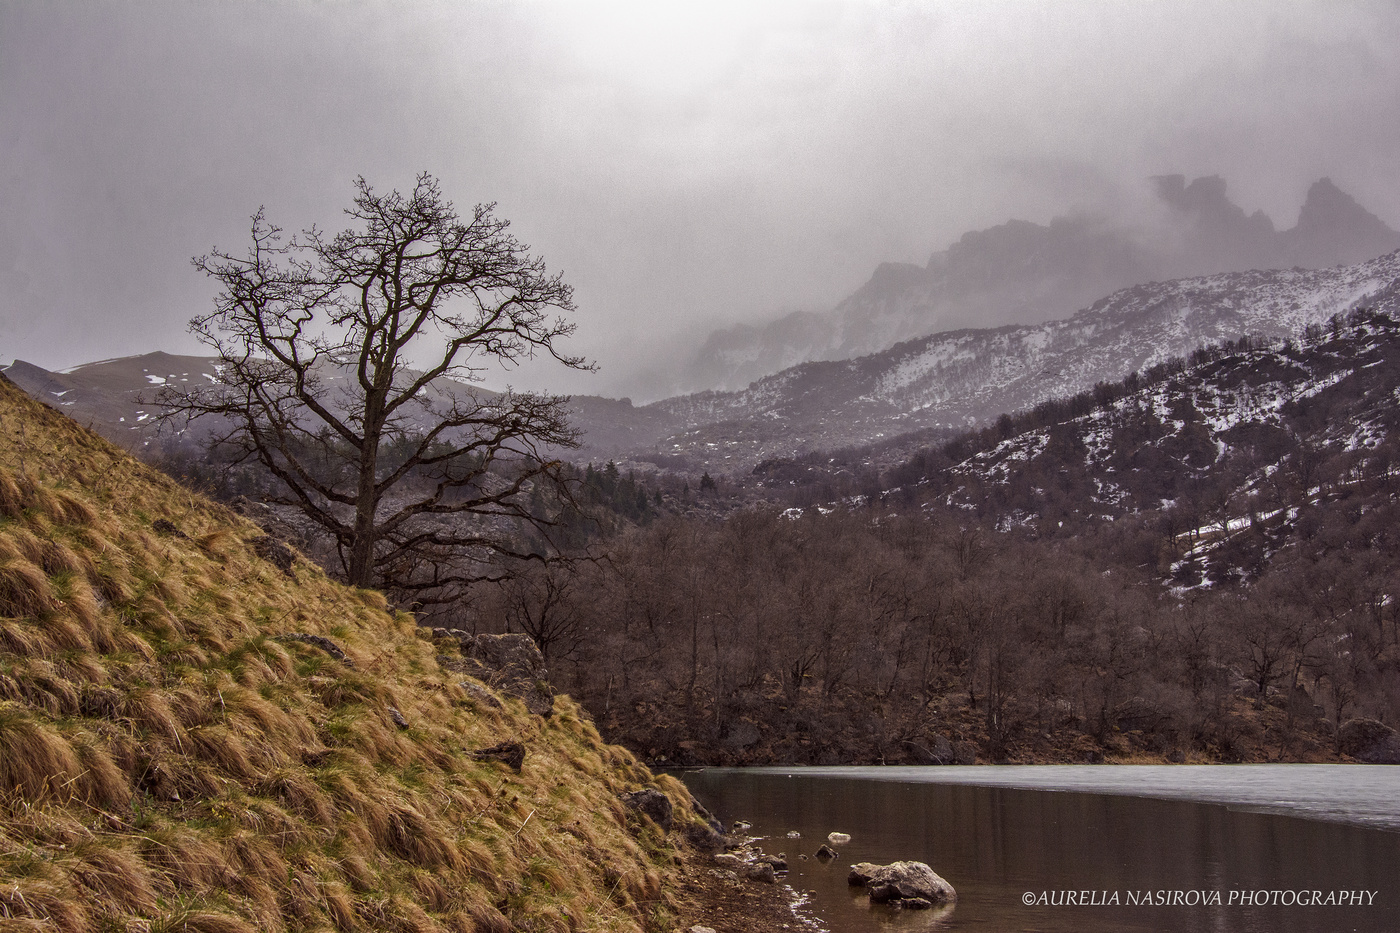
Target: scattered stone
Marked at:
396, 717
742, 825
319, 641
779, 861
794, 835
653, 804
901, 881
838, 839
826, 852
699, 929
508, 753
166, 527
762, 871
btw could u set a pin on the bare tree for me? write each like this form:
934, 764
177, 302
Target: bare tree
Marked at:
347, 367
541, 603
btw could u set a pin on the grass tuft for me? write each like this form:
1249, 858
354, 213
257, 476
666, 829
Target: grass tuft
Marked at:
35, 761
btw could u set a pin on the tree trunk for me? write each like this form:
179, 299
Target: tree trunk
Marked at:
361, 569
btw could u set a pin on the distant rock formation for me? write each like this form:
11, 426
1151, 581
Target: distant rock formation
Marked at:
1333, 230
1021, 272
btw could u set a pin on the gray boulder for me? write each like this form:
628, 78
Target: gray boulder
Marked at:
901, 881
1369, 741
653, 804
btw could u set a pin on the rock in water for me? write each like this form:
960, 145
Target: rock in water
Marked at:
838, 839
901, 881
861, 873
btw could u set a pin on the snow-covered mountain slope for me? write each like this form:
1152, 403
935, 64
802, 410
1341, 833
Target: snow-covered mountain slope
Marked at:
1243, 438
956, 380
1015, 367
115, 397
1022, 272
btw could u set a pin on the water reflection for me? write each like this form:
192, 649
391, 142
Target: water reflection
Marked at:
1125, 857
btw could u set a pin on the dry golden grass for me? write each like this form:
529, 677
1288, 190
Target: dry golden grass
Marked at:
169, 763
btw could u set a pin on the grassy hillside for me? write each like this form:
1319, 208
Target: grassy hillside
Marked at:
171, 761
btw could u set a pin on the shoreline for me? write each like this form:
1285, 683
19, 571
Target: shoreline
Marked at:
717, 899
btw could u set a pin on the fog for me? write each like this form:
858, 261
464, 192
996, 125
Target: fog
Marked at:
686, 166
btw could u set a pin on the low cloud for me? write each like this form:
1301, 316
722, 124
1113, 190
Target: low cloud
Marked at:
687, 166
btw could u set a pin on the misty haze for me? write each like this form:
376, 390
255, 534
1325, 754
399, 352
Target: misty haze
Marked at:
434, 431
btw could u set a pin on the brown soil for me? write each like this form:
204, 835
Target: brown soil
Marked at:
715, 897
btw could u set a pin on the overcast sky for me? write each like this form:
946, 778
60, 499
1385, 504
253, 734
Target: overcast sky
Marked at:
685, 165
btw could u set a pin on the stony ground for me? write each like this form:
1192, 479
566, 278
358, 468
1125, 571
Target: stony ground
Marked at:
716, 898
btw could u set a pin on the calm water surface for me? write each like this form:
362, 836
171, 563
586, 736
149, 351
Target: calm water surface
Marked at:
1007, 835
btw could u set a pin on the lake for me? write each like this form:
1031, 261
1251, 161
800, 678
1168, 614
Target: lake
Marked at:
1187, 849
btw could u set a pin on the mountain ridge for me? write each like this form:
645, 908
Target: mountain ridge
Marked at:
944, 382
1023, 272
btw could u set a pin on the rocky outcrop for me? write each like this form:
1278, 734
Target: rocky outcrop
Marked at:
1370, 741
652, 804
511, 663
902, 882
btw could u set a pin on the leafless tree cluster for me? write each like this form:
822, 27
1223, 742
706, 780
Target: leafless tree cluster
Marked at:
843, 638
